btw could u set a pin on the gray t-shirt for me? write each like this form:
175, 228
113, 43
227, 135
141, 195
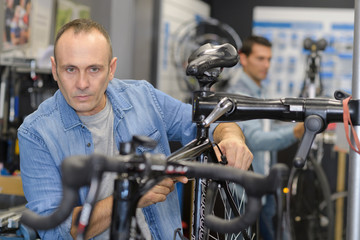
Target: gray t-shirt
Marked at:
101, 126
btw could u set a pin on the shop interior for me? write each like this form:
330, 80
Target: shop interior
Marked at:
153, 40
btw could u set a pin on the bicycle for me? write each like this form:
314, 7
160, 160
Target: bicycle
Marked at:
204, 64
316, 113
226, 62
139, 173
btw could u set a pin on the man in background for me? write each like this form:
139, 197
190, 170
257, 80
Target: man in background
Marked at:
261, 138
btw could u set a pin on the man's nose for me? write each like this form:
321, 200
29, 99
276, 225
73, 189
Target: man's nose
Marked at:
267, 63
82, 82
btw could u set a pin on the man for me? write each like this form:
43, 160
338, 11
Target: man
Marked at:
255, 56
92, 112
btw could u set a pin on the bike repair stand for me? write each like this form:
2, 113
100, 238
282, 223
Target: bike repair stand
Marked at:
353, 213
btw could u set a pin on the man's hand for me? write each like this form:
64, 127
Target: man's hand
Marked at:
159, 192
299, 130
231, 142
101, 216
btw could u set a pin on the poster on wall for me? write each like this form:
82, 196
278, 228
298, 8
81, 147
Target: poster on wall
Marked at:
26, 27
16, 28
287, 28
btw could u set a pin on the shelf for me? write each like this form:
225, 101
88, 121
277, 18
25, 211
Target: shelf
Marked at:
22, 65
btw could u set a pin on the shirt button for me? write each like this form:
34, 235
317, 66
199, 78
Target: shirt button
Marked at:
88, 145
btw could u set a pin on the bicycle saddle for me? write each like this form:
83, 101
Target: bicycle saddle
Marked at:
209, 57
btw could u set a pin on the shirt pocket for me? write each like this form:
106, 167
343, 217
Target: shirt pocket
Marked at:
156, 136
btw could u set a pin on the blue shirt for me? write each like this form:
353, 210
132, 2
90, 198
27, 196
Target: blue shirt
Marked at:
256, 138
55, 132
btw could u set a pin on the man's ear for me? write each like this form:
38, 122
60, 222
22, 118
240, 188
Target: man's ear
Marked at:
243, 59
113, 64
53, 68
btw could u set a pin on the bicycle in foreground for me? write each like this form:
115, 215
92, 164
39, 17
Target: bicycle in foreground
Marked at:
139, 173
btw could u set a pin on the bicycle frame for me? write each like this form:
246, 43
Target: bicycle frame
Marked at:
200, 148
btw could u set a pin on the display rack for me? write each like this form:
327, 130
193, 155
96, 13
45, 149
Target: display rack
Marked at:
23, 87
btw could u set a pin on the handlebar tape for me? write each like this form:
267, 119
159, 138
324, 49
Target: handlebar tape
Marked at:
67, 204
255, 185
234, 225
77, 172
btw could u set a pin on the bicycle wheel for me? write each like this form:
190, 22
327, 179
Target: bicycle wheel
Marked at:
227, 200
309, 204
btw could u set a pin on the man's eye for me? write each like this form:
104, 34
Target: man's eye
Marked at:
94, 69
70, 69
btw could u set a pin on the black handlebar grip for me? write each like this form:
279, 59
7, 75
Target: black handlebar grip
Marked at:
76, 172
255, 186
36, 221
235, 225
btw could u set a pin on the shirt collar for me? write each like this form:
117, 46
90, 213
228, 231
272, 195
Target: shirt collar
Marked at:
69, 117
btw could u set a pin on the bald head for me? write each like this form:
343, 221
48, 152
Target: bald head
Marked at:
83, 26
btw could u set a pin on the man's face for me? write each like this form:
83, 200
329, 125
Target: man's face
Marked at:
83, 70
257, 64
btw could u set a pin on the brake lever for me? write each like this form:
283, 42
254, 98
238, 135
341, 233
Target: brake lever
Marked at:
313, 125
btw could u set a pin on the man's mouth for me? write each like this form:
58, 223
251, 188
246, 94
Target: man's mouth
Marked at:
82, 97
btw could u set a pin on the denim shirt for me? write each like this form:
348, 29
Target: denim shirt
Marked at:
256, 139
55, 132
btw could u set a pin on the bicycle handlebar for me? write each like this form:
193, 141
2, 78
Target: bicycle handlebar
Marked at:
255, 186
77, 172
316, 113
285, 109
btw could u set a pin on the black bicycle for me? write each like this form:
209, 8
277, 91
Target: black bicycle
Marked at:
316, 113
136, 175
205, 64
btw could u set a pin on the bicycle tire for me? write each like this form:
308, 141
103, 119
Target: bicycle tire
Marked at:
308, 216
227, 201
